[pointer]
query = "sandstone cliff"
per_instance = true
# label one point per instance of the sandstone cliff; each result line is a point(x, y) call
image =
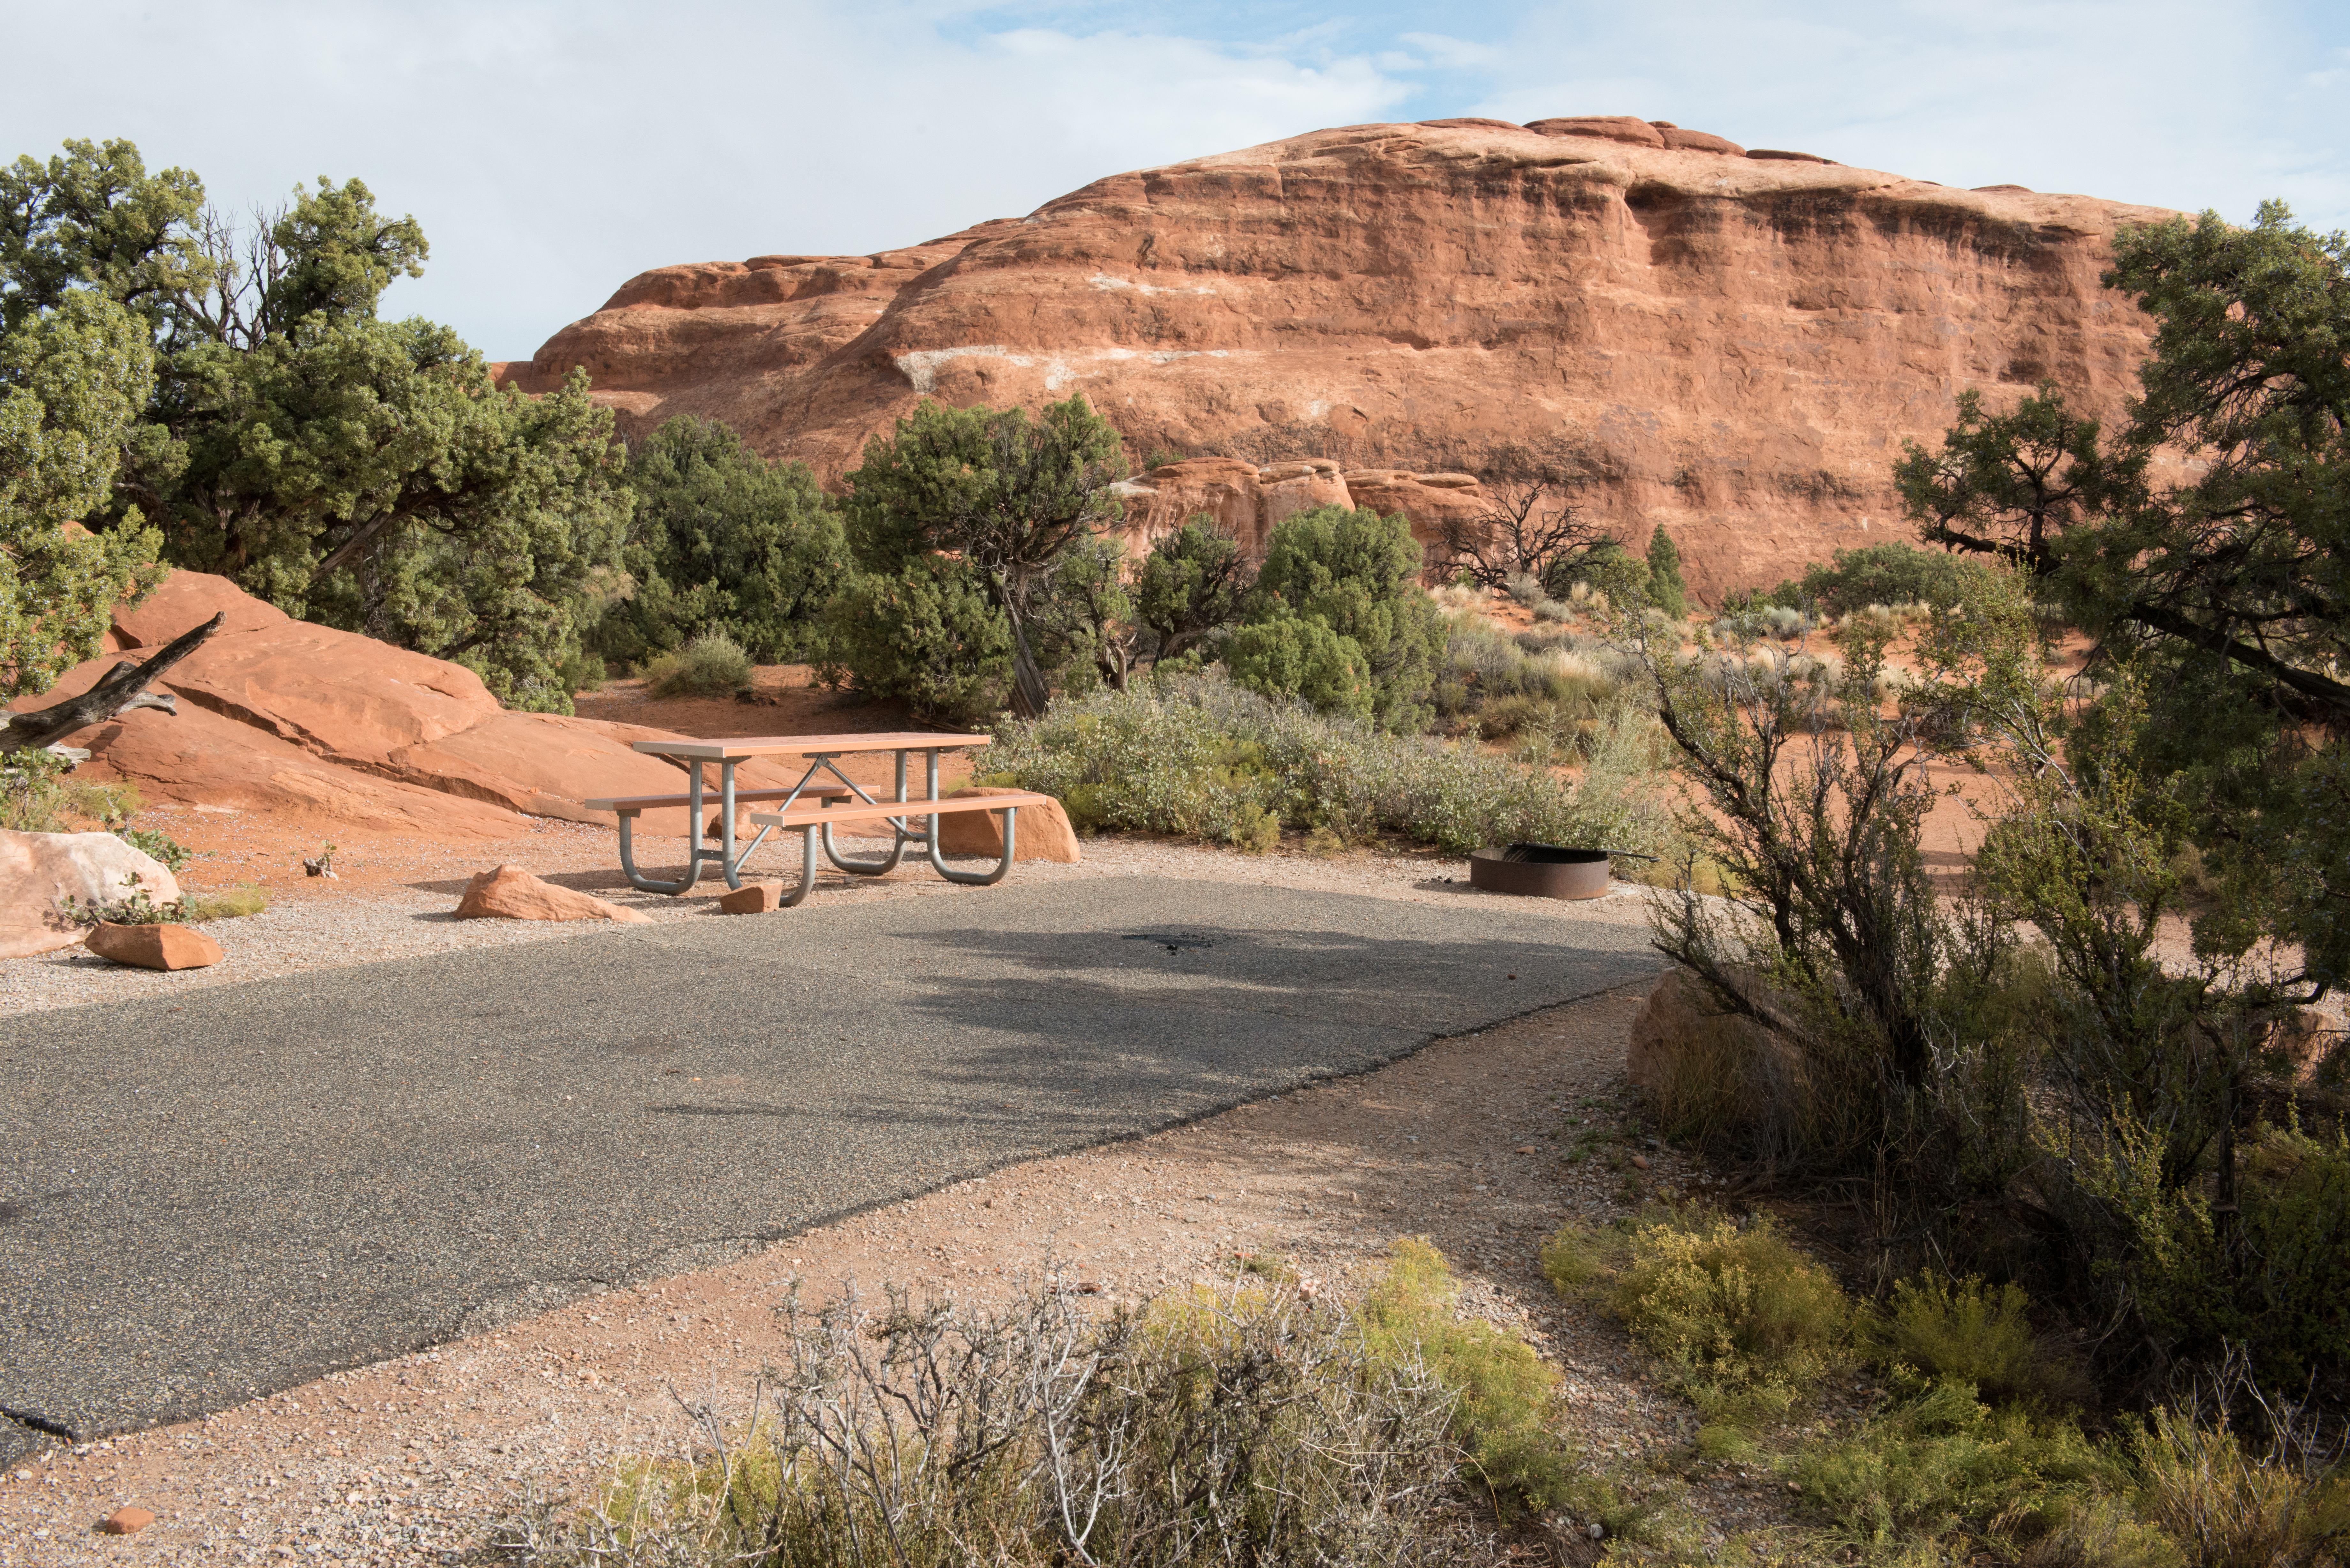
point(1732, 343)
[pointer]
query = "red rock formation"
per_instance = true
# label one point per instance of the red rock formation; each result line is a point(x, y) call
point(1735, 346)
point(511, 893)
point(276, 714)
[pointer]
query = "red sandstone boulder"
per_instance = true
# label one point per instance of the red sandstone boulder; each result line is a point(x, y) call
point(278, 716)
point(1044, 833)
point(164, 947)
point(39, 870)
point(190, 598)
point(203, 758)
point(1689, 1059)
point(511, 893)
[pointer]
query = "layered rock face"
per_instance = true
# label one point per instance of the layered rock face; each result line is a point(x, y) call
point(1729, 343)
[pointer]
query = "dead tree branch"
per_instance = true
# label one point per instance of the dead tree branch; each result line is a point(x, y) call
point(123, 689)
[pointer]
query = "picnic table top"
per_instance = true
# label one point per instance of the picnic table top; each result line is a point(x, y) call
point(809, 745)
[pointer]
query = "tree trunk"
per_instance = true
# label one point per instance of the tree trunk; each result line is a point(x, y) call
point(121, 689)
point(1030, 695)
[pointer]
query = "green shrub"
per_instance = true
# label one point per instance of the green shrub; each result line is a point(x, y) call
point(1289, 656)
point(157, 846)
point(1505, 1389)
point(1357, 574)
point(1581, 1262)
point(1943, 1462)
point(1732, 1305)
point(133, 905)
point(1963, 1329)
point(33, 797)
point(1666, 589)
point(1197, 756)
point(1189, 589)
point(711, 665)
point(722, 542)
point(927, 635)
point(1889, 573)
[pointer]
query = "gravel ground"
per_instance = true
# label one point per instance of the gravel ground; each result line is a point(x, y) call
point(1483, 1143)
point(399, 902)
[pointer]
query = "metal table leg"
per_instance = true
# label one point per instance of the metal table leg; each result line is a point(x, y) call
point(979, 878)
point(694, 852)
point(887, 863)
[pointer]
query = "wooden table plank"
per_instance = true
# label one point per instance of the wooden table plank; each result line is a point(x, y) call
point(809, 746)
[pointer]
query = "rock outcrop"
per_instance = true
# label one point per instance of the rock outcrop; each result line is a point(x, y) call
point(39, 870)
point(276, 714)
point(1731, 345)
point(511, 893)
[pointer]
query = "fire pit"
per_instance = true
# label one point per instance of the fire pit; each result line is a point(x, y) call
point(1540, 871)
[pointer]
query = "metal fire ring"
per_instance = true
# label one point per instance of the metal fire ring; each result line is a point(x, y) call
point(1540, 871)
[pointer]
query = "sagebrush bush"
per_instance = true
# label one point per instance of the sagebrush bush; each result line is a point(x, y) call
point(1886, 574)
point(711, 665)
point(1506, 684)
point(33, 797)
point(1196, 756)
point(1239, 1425)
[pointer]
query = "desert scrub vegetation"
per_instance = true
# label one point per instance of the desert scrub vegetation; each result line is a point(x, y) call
point(1968, 1447)
point(1197, 756)
point(1239, 1424)
point(1495, 685)
point(711, 665)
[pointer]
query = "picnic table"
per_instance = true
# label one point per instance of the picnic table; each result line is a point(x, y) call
point(812, 807)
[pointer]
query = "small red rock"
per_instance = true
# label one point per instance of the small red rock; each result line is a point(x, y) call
point(127, 1521)
point(1639, 1162)
point(154, 947)
point(752, 898)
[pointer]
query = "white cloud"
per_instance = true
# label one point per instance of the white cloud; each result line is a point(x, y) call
point(2178, 103)
point(1454, 54)
point(553, 150)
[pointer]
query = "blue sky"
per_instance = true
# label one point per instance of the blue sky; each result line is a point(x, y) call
point(551, 150)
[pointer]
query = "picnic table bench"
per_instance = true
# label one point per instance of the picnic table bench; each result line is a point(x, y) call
point(811, 808)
